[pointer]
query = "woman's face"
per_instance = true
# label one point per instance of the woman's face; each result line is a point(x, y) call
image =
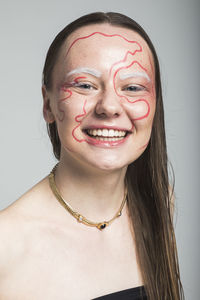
point(103, 96)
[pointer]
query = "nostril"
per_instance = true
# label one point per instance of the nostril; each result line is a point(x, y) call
point(109, 106)
point(100, 115)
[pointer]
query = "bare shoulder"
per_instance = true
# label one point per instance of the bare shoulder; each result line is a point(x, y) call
point(30, 239)
point(30, 200)
point(16, 221)
point(11, 245)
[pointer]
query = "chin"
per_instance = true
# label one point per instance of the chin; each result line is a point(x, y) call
point(108, 165)
point(102, 160)
point(114, 165)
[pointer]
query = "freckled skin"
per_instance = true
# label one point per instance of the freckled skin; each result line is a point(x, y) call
point(61, 114)
point(76, 109)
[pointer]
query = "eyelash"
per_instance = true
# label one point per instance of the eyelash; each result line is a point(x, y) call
point(82, 85)
point(134, 88)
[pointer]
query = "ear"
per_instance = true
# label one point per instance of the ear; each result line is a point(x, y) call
point(47, 111)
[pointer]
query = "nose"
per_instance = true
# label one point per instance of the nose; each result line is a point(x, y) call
point(108, 105)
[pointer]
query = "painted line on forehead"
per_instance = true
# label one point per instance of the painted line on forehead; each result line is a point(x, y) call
point(93, 72)
point(127, 67)
point(79, 121)
point(135, 74)
point(103, 34)
point(124, 59)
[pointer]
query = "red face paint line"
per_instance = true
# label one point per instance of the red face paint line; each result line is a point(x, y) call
point(60, 101)
point(79, 121)
point(126, 67)
point(139, 48)
point(80, 77)
point(125, 58)
point(65, 86)
point(105, 35)
point(126, 98)
point(148, 109)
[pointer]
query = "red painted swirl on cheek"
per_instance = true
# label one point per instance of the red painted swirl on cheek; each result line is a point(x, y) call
point(61, 116)
point(78, 119)
point(147, 106)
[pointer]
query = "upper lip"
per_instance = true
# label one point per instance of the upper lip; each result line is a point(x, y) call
point(107, 127)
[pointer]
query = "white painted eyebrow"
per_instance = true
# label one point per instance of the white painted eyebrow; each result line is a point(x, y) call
point(135, 74)
point(85, 70)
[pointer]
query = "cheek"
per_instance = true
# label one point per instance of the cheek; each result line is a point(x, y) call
point(63, 104)
point(67, 106)
point(141, 111)
point(70, 111)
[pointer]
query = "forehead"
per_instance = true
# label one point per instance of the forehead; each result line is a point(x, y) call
point(103, 42)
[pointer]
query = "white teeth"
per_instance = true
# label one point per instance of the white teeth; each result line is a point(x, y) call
point(108, 139)
point(116, 133)
point(94, 132)
point(111, 132)
point(106, 133)
point(99, 132)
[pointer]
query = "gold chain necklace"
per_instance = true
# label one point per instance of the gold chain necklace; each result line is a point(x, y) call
point(75, 214)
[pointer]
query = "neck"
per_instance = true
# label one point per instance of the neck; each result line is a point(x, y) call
point(97, 195)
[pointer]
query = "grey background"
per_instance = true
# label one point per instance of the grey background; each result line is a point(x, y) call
point(28, 27)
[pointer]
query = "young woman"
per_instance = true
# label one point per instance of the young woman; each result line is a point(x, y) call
point(100, 225)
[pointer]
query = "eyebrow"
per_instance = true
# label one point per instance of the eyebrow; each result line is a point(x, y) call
point(135, 74)
point(85, 70)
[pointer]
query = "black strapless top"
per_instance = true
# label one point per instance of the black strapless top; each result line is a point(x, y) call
point(137, 293)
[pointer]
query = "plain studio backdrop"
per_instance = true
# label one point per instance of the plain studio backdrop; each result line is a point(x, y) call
point(28, 27)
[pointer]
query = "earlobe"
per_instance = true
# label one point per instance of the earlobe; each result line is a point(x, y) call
point(47, 112)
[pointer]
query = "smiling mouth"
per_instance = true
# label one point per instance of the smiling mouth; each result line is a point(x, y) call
point(107, 135)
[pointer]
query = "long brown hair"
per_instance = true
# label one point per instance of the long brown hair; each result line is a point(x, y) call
point(149, 197)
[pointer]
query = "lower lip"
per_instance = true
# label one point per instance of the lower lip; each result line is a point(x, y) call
point(107, 144)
